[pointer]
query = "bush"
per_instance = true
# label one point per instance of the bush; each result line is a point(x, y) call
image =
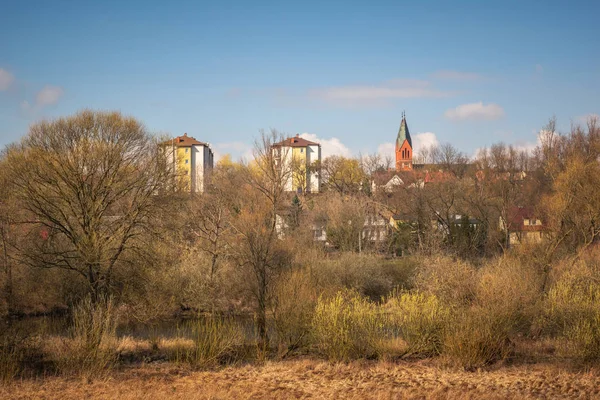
point(347, 326)
point(505, 296)
point(573, 311)
point(215, 341)
point(420, 319)
point(478, 337)
point(293, 309)
point(11, 355)
point(371, 275)
point(451, 281)
point(91, 351)
point(512, 288)
point(582, 339)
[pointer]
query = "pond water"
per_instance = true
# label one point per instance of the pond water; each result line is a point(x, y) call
point(173, 328)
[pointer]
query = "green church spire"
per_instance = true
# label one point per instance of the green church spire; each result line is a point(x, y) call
point(403, 133)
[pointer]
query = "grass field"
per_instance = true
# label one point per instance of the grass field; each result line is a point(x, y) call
point(314, 379)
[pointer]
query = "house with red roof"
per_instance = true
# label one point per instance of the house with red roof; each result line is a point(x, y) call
point(522, 225)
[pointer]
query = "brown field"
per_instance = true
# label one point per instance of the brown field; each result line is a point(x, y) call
point(313, 379)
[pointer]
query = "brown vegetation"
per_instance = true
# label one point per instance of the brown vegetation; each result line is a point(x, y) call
point(90, 230)
point(310, 379)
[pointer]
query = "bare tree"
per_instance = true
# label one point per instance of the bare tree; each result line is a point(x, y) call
point(425, 155)
point(372, 164)
point(573, 204)
point(450, 159)
point(257, 247)
point(8, 215)
point(344, 218)
point(89, 182)
point(210, 223)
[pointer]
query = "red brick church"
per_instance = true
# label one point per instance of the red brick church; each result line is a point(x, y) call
point(404, 150)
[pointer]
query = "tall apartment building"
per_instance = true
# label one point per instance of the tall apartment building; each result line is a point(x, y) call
point(193, 161)
point(301, 156)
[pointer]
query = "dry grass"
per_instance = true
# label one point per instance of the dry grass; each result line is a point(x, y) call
point(304, 379)
point(90, 351)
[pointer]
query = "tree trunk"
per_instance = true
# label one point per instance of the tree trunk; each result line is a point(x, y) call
point(8, 286)
point(261, 318)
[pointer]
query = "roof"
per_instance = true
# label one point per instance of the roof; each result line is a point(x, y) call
point(185, 140)
point(438, 176)
point(296, 141)
point(403, 133)
point(517, 217)
point(380, 178)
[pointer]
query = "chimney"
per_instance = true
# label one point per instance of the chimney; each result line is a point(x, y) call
point(297, 135)
point(185, 134)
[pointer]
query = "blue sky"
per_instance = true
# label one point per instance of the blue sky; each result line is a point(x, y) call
point(467, 72)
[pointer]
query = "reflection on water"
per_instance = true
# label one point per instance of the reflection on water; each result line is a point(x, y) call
point(174, 328)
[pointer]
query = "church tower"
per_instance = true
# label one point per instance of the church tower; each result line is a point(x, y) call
point(404, 147)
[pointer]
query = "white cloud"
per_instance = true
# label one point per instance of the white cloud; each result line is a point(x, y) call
point(387, 149)
point(237, 150)
point(456, 75)
point(329, 147)
point(523, 145)
point(361, 95)
point(48, 95)
point(419, 141)
point(424, 140)
point(475, 111)
point(6, 79)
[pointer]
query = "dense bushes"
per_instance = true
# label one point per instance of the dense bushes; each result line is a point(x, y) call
point(294, 304)
point(478, 337)
point(473, 316)
point(12, 352)
point(215, 340)
point(452, 281)
point(347, 326)
point(573, 310)
point(91, 349)
point(469, 316)
point(370, 275)
point(419, 319)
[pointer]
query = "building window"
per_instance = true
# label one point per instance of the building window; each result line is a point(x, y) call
point(301, 150)
point(186, 150)
point(187, 161)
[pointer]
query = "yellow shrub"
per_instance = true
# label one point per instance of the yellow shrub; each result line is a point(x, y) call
point(293, 305)
point(91, 351)
point(451, 281)
point(420, 319)
point(509, 287)
point(215, 340)
point(478, 337)
point(347, 326)
point(573, 311)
